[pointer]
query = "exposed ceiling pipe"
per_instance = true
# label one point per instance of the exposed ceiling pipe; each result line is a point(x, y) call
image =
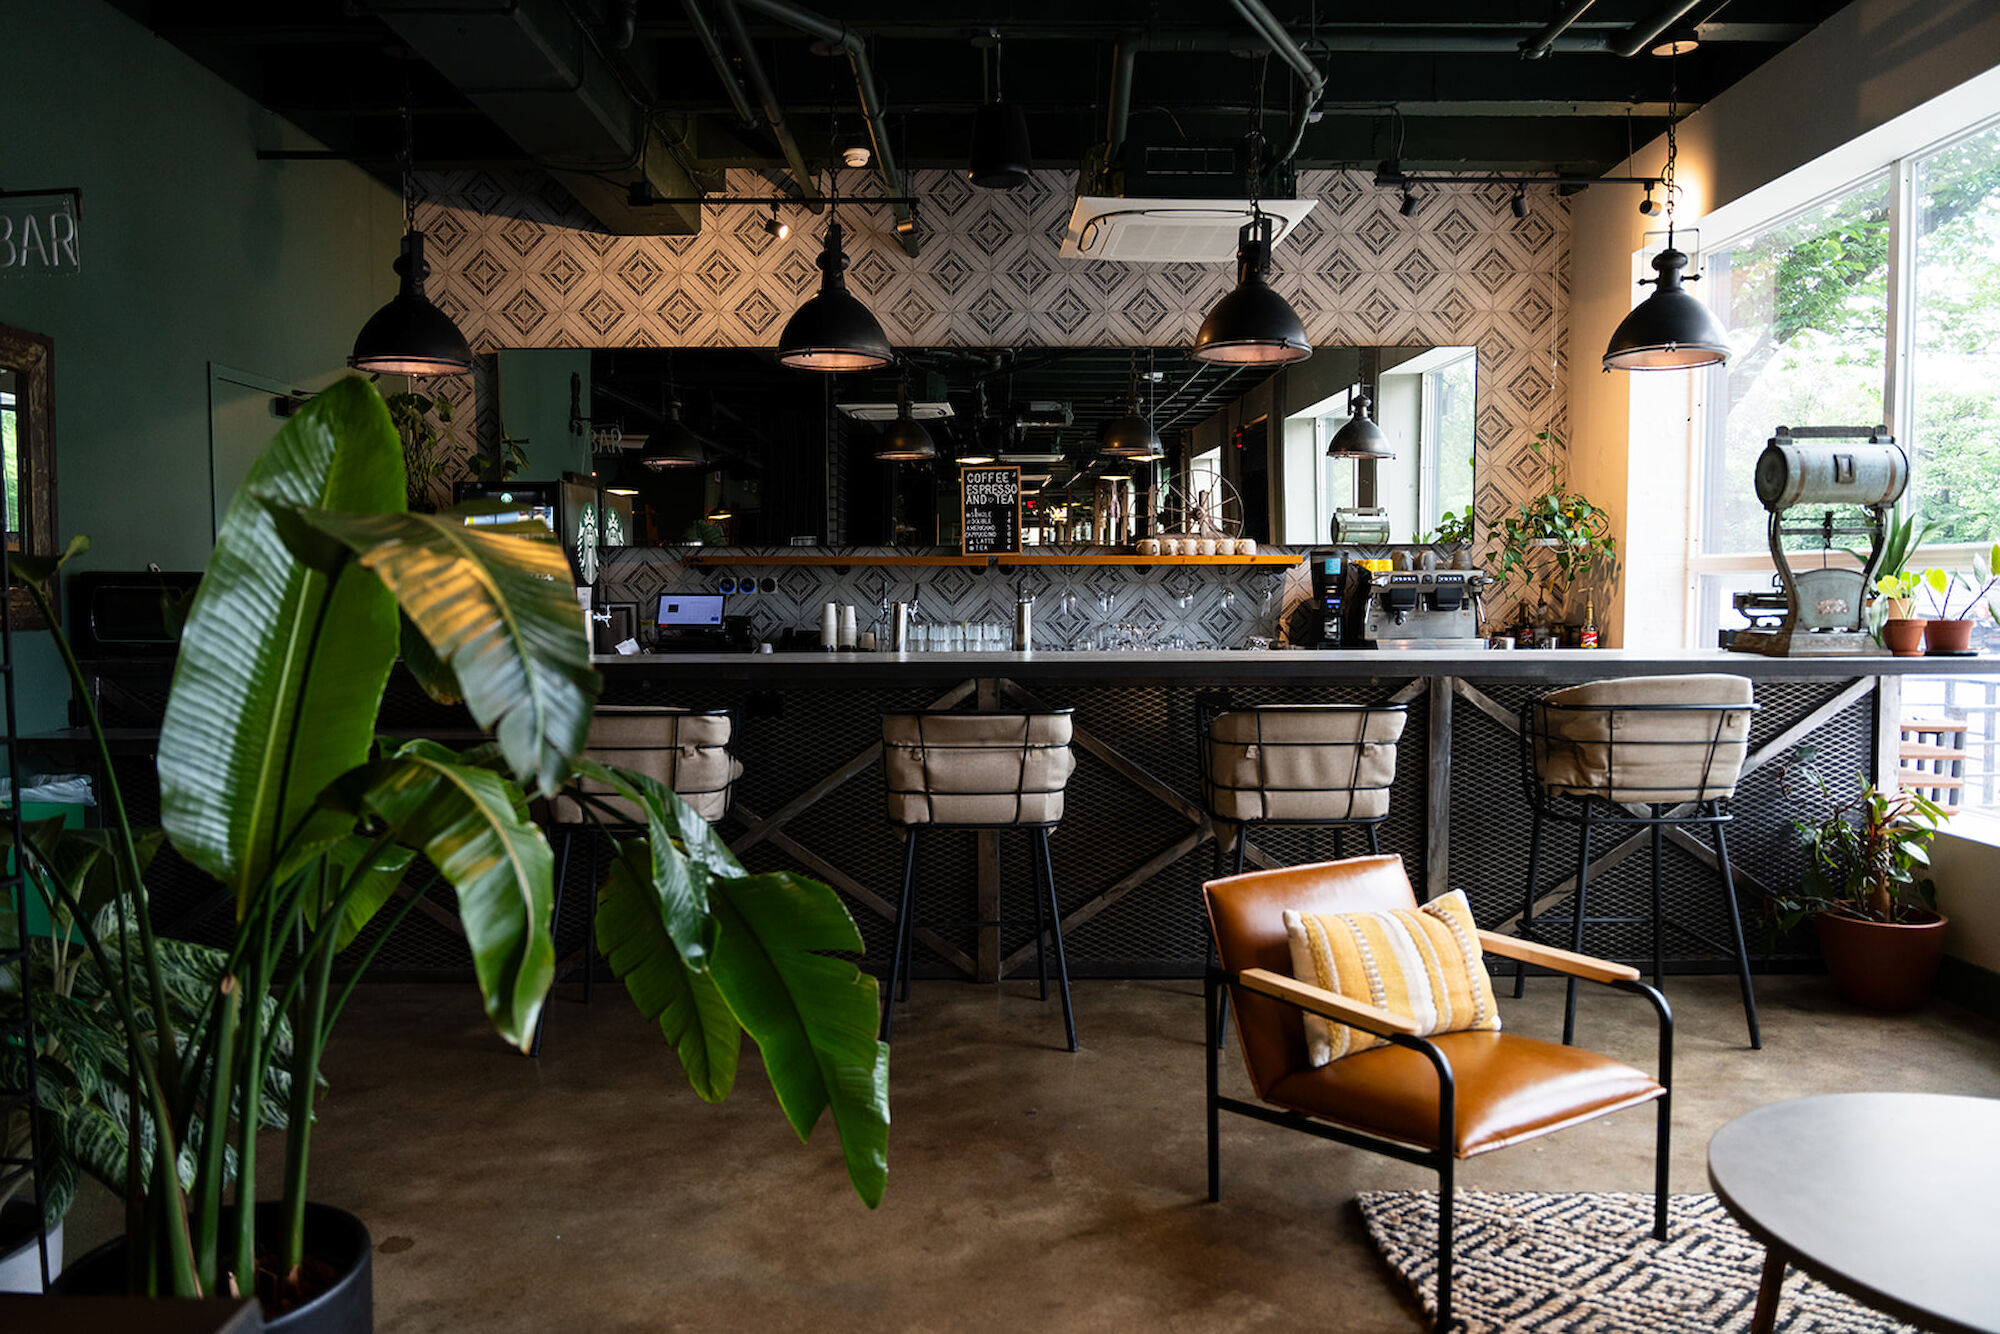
point(871, 101)
point(704, 33)
point(1118, 117)
point(1311, 81)
point(1534, 48)
point(1641, 34)
point(774, 113)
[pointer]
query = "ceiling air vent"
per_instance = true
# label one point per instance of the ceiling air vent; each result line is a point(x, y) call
point(1163, 231)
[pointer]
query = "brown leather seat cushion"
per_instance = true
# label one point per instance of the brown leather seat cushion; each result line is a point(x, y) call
point(1509, 1088)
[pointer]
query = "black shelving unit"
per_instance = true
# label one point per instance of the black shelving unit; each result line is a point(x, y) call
point(14, 893)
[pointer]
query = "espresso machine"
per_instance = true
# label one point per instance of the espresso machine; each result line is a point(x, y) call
point(1821, 611)
point(1416, 609)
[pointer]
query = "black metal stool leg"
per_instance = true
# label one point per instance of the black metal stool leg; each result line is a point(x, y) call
point(555, 920)
point(1375, 838)
point(1041, 928)
point(1659, 908)
point(1576, 936)
point(590, 930)
point(1221, 1029)
point(1736, 931)
point(1339, 844)
point(1055, 933)
point(901, 947)
point(1528, 900)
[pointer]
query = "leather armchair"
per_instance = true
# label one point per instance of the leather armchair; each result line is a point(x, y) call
point(1429, 1101)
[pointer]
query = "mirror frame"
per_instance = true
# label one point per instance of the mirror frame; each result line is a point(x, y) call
point(32, 356)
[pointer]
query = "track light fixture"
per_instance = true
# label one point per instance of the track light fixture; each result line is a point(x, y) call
point(1409, 204)
point(1671, 329)
point(1649, 206)
point(410, 336)
point(775, 227)
point(1519, 203)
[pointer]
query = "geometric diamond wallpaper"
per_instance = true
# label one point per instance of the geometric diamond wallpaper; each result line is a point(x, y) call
point(518, 266)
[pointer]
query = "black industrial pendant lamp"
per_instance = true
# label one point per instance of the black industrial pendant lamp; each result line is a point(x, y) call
point(905, 440)
point(1001, 159)
point(1359, 437)
point(410, 336)
point(833, 331)
point(1253, 325)
point(672, 444)
point(1131, 436)
point(1671, 329)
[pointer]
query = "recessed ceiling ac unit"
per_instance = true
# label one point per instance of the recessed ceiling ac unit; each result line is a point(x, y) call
point(1032, 456)
point(1163, 231)
point(1042, 415)
point(886, 412)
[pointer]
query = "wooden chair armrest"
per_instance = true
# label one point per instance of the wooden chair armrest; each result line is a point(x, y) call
point(1327, 1004)
point(1562, 961)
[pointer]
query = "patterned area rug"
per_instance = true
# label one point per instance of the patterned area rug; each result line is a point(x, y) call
point(1575, 1263)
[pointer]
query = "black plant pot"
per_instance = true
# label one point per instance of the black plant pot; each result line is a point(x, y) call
point(332, 1235)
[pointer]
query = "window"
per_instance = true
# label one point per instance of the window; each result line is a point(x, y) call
point(1900, 270)
point(1955, 361)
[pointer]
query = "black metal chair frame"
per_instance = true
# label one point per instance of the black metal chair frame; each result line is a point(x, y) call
point(1592, 813)
point(1207, 710)
point(600, 820)
point(1048, 913)
point(1440, 1159)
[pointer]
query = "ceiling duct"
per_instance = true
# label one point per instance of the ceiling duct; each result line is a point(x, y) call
point(573, 107)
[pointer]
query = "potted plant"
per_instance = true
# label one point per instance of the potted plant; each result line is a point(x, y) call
point(1950, 632)
point(1863, 885)
point(273, 781)
point(1553, 542)
point(430, 447)
point(1900, 632)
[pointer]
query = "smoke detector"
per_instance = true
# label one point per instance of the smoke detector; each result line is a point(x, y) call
point(855, 155)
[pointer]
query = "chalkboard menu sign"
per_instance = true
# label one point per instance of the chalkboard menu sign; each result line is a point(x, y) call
point(990, 509)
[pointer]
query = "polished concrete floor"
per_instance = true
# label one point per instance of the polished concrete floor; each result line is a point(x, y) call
point(590, 1189)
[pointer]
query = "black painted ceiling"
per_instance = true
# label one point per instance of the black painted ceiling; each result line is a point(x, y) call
point(1436, 84)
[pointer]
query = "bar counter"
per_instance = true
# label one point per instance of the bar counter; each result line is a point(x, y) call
point(1134, 845)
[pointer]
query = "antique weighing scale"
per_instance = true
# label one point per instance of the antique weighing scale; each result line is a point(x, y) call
point(1821, 611)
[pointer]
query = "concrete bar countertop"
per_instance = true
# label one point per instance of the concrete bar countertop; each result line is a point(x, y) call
point(848, 668)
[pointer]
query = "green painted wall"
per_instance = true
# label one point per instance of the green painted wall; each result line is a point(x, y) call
point(192, 251)
point(535, 403)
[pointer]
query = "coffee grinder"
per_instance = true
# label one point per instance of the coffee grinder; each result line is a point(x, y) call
point(1821, 611)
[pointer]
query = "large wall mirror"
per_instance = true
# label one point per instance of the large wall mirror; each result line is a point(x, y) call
point(791, 458)
point(27, 436)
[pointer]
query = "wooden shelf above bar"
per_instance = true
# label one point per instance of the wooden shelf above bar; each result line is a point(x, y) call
point(1025, 558)
point(708, 560)
point(712, 560)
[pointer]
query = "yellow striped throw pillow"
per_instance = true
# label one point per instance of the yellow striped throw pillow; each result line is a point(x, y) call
point(1423, 963)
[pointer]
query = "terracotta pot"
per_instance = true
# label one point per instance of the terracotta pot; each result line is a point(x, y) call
point(1882, 966)
point(1947, 636)
point(334, 1236)
point(1904, 637)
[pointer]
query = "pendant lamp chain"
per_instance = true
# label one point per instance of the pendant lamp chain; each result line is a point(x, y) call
point(1673, 144)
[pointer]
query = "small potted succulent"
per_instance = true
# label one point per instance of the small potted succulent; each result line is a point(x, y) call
point(1865, 889)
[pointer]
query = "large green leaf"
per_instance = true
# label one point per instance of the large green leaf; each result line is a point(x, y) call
point(501, 613)
point(690, 1010)
point(373, 883)
point(684, 851)
point(471, 827)
point(812, 1016)
point(281, 666)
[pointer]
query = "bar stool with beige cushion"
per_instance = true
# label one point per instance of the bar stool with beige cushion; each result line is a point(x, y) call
point(980, 771)
point(1325, 765)
point(1645, 753)
point(685, 749)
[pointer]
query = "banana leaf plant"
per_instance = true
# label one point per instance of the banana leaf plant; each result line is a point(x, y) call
point(273, 781)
